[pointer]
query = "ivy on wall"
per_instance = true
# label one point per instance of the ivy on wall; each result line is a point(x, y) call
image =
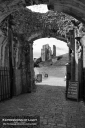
point(53, 24)
point(24, 22)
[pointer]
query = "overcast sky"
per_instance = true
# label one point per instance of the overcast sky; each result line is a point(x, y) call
point(61, 47)
point(39, 8)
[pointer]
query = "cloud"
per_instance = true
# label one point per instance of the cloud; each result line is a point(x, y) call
point(42, 8)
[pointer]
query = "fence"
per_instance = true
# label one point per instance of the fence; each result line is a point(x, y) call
point(4, 83)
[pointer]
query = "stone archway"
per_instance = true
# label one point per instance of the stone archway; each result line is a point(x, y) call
point(18, 11)
point(74, 8)
point(21, 35)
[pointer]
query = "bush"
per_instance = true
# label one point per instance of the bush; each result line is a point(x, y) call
point(36, 64)
point(59, 57)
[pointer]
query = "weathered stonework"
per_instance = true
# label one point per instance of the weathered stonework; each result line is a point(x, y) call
point(74, 8)
point(26, 26)
point(7, 7)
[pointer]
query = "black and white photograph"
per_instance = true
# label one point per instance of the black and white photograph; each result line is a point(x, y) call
point(42, 63)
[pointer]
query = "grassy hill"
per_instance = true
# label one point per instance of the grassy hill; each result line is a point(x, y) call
point(63, 59)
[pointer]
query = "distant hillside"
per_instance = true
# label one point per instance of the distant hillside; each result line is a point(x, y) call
point(62, 60)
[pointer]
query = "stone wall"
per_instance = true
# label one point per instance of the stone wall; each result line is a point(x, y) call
point(23, 70)
point(22, 64)
point(4, 51)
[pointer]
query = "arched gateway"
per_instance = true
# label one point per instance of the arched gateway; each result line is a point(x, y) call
point(75, 8)
point(76, 68)
point(17, 33)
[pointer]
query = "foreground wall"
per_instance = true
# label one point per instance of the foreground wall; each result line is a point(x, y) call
point(22, 64)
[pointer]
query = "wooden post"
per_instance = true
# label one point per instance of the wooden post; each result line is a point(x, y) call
point(70, 51)
point(10, 56)
point(80, 72)
point(31, 67)
point(83, 45)
point(27, 68)
point(76, 58)
point(72, 40)
point(72, 66)
point(31, 63)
